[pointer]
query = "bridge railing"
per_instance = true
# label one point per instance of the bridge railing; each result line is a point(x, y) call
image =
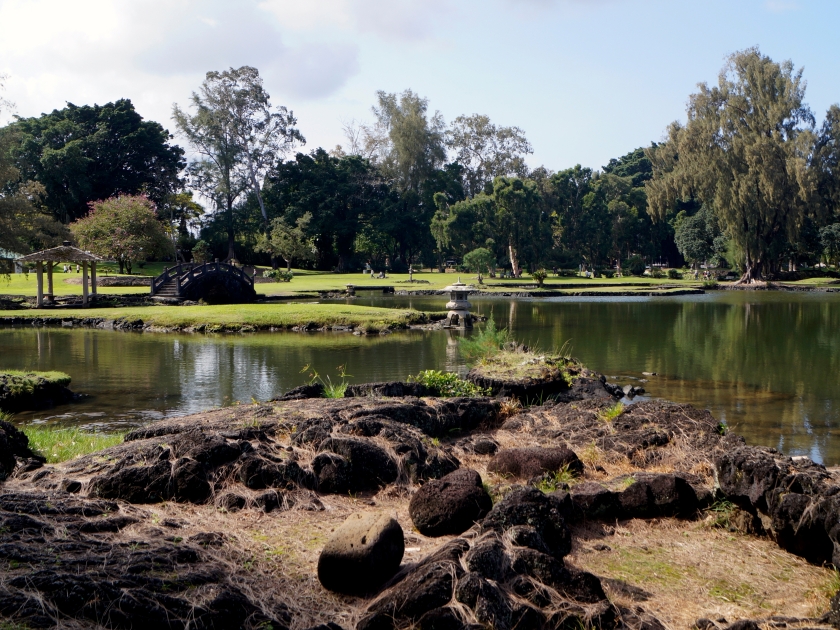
point(185, 274)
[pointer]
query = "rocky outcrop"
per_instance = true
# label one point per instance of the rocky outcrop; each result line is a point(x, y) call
point(361, 554)
point(449, 505)
point(510, 574)
point(329, 445)
point(77, 567)
point(640, 495)
point(797, 501)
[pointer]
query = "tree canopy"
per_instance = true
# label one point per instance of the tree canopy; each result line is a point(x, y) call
point(85, 153)
point(744, 151)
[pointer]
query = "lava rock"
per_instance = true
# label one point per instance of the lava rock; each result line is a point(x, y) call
point(389, 389)
point(528, 506)
point(14, 444)
point(525, 463)
point(426, 588)
point(450, 505)
point(302, 392)
point(371, 467)
point(592, 500)
point(653, 494)
point(189, 481)
point(333, 473)
point(135, 484)
point(361, 554)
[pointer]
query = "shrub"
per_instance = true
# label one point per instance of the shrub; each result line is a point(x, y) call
point(710, 285)
point(280, 275)
point(540, 275)
point(447, 384)
point(634, 265)
point(656, 273)
point(609, 273)
point(488, 342)
point(673, 274)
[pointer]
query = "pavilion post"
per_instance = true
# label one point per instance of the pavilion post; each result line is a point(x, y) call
point(93, 277)
point(84, 283)
point(50, 280)
point(39, 272)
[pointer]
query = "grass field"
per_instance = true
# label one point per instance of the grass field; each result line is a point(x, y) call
point(237, 316)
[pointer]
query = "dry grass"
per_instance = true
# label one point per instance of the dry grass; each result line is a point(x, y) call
point(692, 570)
point(282, 548)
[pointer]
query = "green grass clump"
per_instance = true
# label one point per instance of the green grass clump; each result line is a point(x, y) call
point(447, 384)
point(22, 382)
point(489, 342)
point(553, 481)
point(60, 445)
point(611, 413)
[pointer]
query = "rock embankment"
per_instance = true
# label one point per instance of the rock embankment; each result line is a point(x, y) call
point(377, 512)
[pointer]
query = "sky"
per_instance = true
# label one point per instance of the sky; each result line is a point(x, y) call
point(587, 80)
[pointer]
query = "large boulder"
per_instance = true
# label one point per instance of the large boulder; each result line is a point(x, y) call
point(529, 462)
point(450, 505)
point(361, 554)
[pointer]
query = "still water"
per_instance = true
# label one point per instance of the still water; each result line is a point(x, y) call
point(768, 364)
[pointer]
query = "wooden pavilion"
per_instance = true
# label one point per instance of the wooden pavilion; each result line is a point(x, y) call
point(56, 255)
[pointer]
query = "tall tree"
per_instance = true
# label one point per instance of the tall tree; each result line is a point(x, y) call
point(517, 216)
point(745, 151)
point(408, 148)
point(24, 223)
point(827, 162)
point(238, 135)
point(84, 153)
point(487, 151)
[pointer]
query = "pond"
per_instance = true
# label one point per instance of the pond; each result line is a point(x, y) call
point(766, 363)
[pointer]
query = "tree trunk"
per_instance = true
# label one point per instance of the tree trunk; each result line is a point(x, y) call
point(288, 264)
point(514, 263)
point(752, 273)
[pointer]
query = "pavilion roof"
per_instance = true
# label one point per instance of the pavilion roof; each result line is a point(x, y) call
point(63, 253)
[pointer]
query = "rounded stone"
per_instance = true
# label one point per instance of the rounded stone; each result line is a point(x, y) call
point(361, 554)
point(449, 505)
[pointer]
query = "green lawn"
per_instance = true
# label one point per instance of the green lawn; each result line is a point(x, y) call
point(237, 316)
point(313, 281)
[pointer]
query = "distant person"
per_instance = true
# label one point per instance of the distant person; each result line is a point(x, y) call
point(78, 269)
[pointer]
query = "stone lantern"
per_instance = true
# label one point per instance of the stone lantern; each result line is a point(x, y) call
point(458, 306)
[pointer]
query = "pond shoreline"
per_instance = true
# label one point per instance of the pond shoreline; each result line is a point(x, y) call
point(583, 500)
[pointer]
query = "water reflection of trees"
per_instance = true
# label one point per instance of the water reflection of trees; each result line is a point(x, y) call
point(768, 364)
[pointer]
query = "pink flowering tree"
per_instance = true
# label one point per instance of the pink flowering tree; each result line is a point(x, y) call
point(124, 229)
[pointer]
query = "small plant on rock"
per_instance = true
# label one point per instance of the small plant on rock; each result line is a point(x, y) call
point(553, 481)
point(331, 390)
point(487, 343)
point(447, 384)
point(611, 413)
